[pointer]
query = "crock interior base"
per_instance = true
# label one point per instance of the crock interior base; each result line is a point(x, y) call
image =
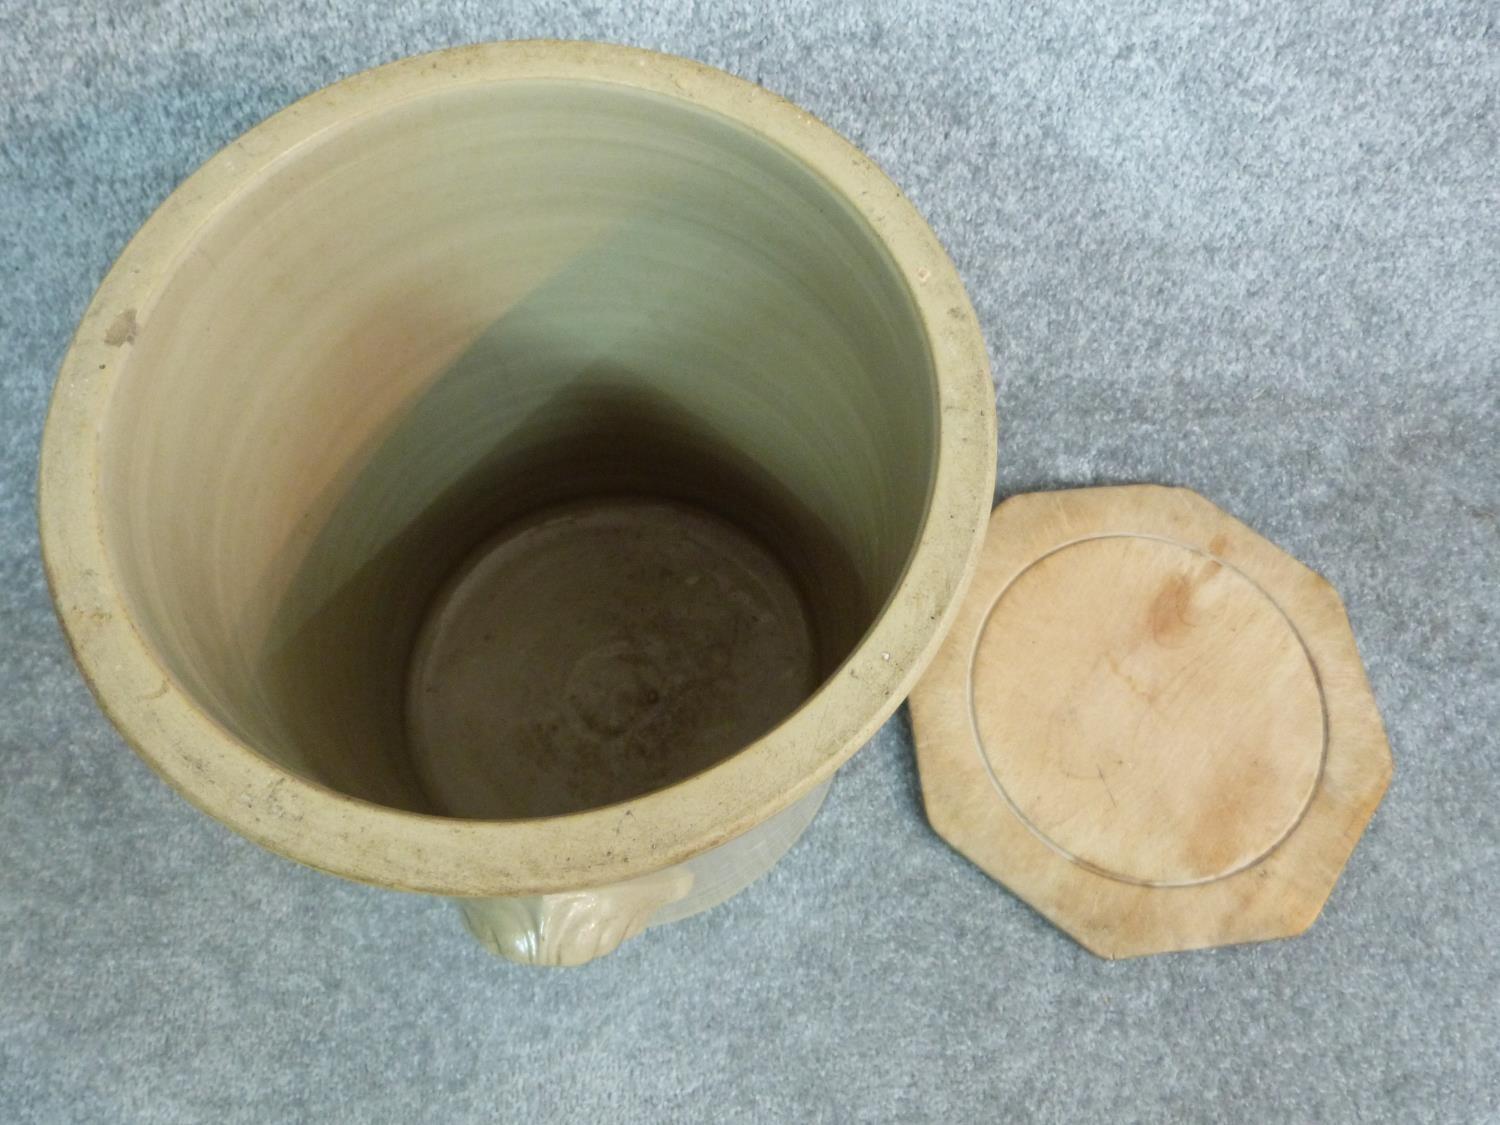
point(598, 651)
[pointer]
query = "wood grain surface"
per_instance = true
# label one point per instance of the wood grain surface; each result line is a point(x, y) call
point(1150, 723)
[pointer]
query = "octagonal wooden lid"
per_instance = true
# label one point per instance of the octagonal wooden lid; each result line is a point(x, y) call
point(1149, 723)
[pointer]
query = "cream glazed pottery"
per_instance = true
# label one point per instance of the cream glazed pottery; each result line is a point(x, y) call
point(524, 474)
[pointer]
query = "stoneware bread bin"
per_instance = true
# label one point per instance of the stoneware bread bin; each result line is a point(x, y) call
point(523, 474)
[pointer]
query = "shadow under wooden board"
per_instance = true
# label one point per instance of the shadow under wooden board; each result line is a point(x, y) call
point(1150, 723)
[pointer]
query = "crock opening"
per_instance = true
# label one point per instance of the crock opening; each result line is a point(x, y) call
point(447, 322)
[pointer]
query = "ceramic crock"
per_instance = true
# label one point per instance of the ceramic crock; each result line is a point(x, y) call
point(524, 474)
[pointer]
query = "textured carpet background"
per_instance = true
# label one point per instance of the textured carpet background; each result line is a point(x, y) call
point(1249, 251)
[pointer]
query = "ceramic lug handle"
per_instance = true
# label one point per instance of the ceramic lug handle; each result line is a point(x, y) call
point(572, 927)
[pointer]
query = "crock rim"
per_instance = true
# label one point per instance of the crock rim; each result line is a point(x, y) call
point(345, 835)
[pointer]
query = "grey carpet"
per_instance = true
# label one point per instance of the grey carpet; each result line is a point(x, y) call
point(1244, 247)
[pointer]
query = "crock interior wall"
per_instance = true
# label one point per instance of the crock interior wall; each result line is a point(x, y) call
point(453, 311)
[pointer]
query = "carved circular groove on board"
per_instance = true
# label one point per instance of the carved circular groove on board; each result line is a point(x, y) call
point(1147, 710)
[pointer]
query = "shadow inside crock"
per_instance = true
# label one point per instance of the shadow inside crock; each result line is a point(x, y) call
point(334, 663)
